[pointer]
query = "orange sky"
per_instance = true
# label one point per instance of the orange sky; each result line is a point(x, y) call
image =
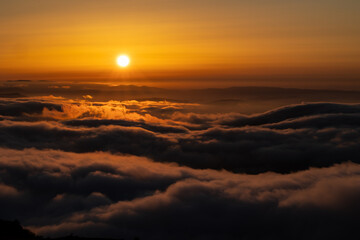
point(242, 41)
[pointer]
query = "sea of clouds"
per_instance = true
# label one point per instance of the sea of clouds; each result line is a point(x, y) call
point(165, 170)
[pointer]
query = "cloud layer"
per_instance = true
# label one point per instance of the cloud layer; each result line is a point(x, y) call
point(99, 194)
point(171, 170)
point(286, 139)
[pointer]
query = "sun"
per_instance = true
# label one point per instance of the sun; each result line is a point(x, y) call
point(123, 60)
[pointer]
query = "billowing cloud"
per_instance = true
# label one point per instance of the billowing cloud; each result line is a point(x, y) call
point(171, 170)
point(287, 139)
point(295, 111)
point(99, 194)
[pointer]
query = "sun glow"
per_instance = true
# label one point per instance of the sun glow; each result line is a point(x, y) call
point(123, 61)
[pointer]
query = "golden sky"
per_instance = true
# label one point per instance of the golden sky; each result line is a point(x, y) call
point(173, 39)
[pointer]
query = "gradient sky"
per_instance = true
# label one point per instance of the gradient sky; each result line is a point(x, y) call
point(259, 42)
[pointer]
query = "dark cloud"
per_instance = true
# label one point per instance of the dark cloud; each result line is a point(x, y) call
point(250, 149)
point(21, 108)
point(167, 170)
point(54, 184)
point(287, 139)
point(293, 112)
point(346, 120)
point(118, 122)
point(98, 194)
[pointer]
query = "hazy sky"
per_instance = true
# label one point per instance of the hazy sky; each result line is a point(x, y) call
point(199, 39)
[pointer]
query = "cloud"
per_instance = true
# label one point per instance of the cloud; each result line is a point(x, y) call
point(166, 170)
point(87, 97)
point(160, 128)
point(286, 139)
point(21, 108)
point(99, 194)
point(293, 112)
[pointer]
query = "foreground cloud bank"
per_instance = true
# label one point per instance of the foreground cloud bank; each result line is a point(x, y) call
point(166, 170)
point(99, 194)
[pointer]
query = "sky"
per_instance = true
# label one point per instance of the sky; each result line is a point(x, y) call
point(277, 42)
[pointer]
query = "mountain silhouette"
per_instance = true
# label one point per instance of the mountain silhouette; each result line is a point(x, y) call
point(12, 230)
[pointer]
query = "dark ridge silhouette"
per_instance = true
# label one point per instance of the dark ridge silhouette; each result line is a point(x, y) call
point(102, 92)
point(12, 230)
point(19, 80)
point(81, 238)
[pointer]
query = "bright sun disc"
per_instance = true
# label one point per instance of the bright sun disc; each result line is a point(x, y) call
point(123, 61)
